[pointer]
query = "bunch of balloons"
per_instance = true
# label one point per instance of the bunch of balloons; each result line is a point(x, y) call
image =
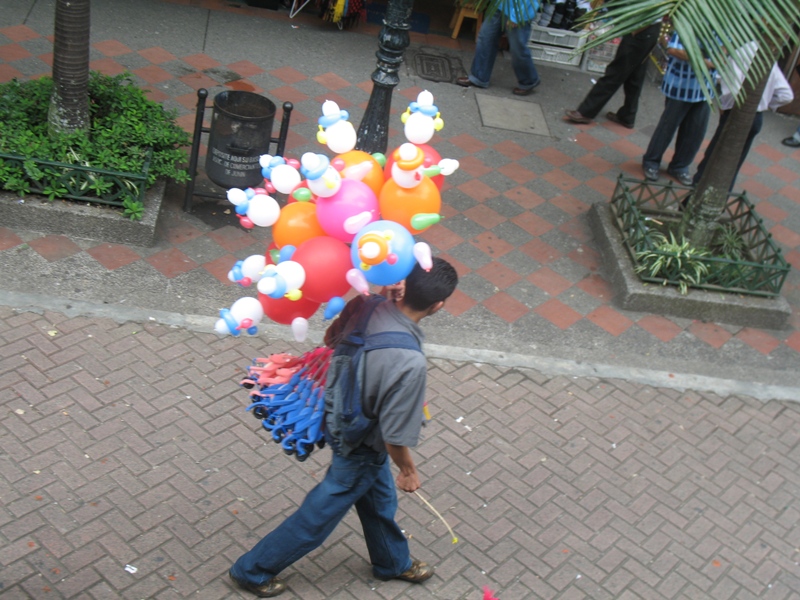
point(348, 221)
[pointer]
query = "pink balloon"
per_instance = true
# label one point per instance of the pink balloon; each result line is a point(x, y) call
point(352, 199)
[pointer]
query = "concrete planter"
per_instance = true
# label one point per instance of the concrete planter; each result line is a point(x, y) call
point(82, 220)
point(752, 299)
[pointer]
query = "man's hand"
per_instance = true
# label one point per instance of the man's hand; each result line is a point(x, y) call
point(408, 483)
point(408, 479)
point(396, 291)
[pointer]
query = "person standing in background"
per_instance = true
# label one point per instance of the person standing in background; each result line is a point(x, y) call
point(685, 111)
point(628, 70)
point(792, 141)
point(776, 93)
point(518, 31)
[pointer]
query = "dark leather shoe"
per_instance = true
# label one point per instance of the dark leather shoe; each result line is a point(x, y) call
point(650, 173)
point(418, 573)
point(614, 118)
point(791, 142)
point(269, 590)
point(464, 82)
point(684, 178)
point(576, 117)
point(518, 91)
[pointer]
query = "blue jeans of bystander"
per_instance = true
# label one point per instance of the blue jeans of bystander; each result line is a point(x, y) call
point(364, 480)
point(486, 49)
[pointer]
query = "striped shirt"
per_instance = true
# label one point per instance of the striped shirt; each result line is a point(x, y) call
point(680, 82)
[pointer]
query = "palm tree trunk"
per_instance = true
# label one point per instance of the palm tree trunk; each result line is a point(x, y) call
point(69, 104)
point(708, 202)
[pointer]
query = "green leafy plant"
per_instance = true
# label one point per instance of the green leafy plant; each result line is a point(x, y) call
point(133, 209)
point(730, 242)
point(127, 133)
point(673, 262)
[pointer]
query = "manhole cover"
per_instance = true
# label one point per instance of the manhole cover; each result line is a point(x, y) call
point(432, 67)
point(514, 115)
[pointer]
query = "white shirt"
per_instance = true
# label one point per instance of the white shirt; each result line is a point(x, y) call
point(776, 93)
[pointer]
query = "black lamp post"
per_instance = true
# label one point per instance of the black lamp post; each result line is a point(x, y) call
point(373, 133)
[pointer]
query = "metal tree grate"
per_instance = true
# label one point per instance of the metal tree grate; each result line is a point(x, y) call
point(77, 182)
point(636, 204)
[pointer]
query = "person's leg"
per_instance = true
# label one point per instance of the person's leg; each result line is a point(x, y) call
point(324, 507)
point(755, 129)
point(644, 43)
point(486, 51)
point(386, 543)
point(521, 59)
point(631, 54)
point(723, 116)
point(792, 140)
point(671, 118)
point(691, 132)
point(612, 79)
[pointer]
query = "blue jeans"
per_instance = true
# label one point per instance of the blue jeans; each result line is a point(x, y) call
point(690, 120)
point(361, 479)
point(486, 53)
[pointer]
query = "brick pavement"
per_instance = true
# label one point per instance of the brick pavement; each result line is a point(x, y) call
point(127, 444)
point(532, 279)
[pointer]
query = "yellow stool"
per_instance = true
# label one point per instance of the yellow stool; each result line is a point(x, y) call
point(461, 13)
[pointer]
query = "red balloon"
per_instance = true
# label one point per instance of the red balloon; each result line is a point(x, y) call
point(431, 157)
point(284, 311)
point(326, 261)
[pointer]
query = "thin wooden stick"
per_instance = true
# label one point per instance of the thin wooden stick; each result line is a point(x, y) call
point(436, 512)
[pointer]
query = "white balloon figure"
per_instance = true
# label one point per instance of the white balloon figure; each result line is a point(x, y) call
point(421, 119)
point(283, 176)
point(284, 279)
point(335, 130)
point(243, 315)
point(249, 270)
point(323, 180)
point(407, 170)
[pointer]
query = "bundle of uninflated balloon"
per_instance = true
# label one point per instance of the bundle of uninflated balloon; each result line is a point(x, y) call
point(348, 222)
point(287, 396)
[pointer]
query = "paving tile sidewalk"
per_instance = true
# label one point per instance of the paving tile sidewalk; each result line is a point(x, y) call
point(533, 282)
point(128, 444)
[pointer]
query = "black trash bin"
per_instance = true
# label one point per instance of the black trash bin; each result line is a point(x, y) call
point(240, 132)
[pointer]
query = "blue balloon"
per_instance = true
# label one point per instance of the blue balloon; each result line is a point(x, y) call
point(286, 253)
point(334, 307)
point(401, 251)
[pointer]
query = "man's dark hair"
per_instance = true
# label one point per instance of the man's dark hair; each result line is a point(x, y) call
point(426, 288)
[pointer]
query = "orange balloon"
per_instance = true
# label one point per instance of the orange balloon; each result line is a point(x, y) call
point(374, 178)
point(296, 224)
point(400, 204)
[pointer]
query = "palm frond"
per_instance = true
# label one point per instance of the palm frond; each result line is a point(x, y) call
point(712, 29)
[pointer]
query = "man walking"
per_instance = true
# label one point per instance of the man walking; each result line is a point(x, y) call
point(518, 31)
point(393, 394)
point(628, 70)
point(685, 111)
